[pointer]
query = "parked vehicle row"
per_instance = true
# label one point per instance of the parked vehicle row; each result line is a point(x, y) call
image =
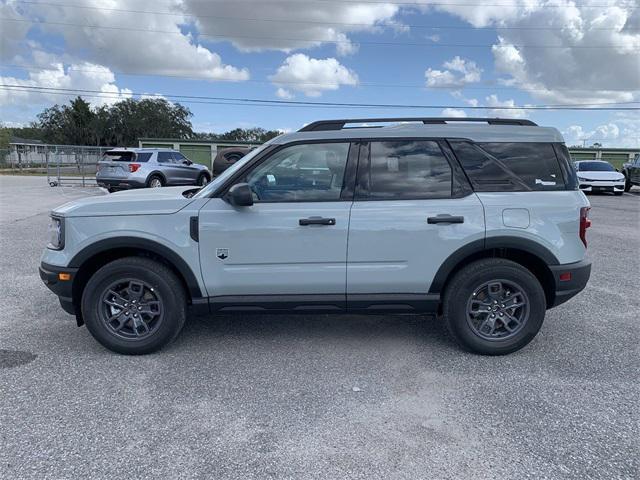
point(481, 221)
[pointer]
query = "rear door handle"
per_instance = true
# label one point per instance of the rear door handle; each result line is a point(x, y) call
point(317, 221)
point(445, 219)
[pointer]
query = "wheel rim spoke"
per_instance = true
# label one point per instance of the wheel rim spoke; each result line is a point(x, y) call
point(497, 309)
point(131, 309)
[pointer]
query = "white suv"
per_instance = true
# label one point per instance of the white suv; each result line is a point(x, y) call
point(479, 221)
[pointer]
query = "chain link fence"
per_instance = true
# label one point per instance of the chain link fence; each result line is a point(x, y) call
point(64, 165)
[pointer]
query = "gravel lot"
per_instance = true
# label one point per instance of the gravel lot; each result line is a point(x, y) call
point(319, 396)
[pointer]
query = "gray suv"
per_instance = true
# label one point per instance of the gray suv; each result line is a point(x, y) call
point(480, 222)
point(126, 168)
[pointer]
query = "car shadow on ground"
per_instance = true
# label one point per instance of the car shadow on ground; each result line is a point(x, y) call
point(320, 327)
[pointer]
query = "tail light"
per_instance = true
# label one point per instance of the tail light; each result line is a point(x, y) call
point(133, 167)
point(584, 224)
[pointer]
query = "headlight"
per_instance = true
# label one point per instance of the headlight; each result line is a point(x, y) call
point(56, 233)
point(584, 179)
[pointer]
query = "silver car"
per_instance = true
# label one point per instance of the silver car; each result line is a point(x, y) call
point(126, 168)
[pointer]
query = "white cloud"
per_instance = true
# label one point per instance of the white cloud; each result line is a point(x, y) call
point(563, 74)
point(83, 76)
point(608, 134)
point(497, 111)
point(459, 72)
point(312, 76)
point(130, 46)
point(290, 25)
point(454, 112)
point(284, 94)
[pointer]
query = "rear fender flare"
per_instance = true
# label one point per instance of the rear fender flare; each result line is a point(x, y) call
point(486, 244)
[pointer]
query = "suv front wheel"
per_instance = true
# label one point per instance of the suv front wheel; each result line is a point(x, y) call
point(134, 305)
point(494, 306)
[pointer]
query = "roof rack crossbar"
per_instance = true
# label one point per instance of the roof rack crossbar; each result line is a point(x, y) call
point(323, 125)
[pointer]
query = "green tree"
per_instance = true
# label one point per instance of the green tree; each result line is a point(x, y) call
point(259, 135)
point(69, 124)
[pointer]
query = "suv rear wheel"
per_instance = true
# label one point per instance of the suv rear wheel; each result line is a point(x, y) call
point(494, 306)
point(155, 181)
point(203, 179)
point(134, 306)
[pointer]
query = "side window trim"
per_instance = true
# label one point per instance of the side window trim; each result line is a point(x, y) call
point(460, 186)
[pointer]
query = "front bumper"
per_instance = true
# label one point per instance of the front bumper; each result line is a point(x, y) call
point(50, 275)
point(570, 279)
point(586, 186)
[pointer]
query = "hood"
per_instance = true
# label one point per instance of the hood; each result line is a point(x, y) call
point(610, 176)
point(144, 201)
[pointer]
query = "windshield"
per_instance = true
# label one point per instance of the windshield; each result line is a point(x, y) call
point(595, 167)
point(220, 179)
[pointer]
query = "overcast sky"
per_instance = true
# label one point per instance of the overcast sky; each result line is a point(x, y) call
point(458, 53)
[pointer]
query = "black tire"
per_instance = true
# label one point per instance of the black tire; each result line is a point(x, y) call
point(617, 194)
point(627, 183)
point(203, 179)
point(111, 190)
point(460, 292)
point(151, 181)
point(160, 283)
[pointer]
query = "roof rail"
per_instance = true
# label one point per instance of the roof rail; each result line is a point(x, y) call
point(323, 125)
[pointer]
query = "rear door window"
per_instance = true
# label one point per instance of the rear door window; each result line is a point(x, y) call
point(165, 157)
point(407, 169)
point(510, 166)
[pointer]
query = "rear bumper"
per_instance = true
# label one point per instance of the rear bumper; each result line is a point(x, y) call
point(578, 275)
point(50, 275)
point(120, 183)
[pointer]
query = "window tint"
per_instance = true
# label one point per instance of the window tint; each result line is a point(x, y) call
point(143, 157)
point(595, 167)
point(165, 157)
point(179, 157)
point(118, 156)
point(313, 172)
point(408, 169)
point(510, 166)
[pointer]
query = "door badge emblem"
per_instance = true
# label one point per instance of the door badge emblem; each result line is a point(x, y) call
point(222, 253)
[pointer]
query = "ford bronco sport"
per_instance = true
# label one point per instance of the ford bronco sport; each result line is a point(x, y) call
point(479, 221)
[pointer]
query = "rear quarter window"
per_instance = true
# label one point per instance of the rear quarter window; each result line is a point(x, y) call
point(510, 166)
point(143, 157)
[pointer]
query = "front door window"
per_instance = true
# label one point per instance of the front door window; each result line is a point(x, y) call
point(301, 173)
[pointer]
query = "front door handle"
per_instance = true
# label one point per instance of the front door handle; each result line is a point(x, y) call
point(445, 219)
point(317, 221)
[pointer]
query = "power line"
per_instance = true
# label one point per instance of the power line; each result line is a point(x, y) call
point(311, 84)
point(314, 41)
point(308, 22)
point(188, 98)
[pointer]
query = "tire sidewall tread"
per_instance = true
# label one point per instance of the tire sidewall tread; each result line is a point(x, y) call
point(462, 286)
point(154, 273)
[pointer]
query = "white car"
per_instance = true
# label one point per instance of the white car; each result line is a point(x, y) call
point(599, 176)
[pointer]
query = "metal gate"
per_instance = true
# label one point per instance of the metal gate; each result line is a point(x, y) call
point(65, 165)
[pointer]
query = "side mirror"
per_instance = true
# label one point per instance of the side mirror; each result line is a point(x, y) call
point(187, 162)
point(240, 195)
